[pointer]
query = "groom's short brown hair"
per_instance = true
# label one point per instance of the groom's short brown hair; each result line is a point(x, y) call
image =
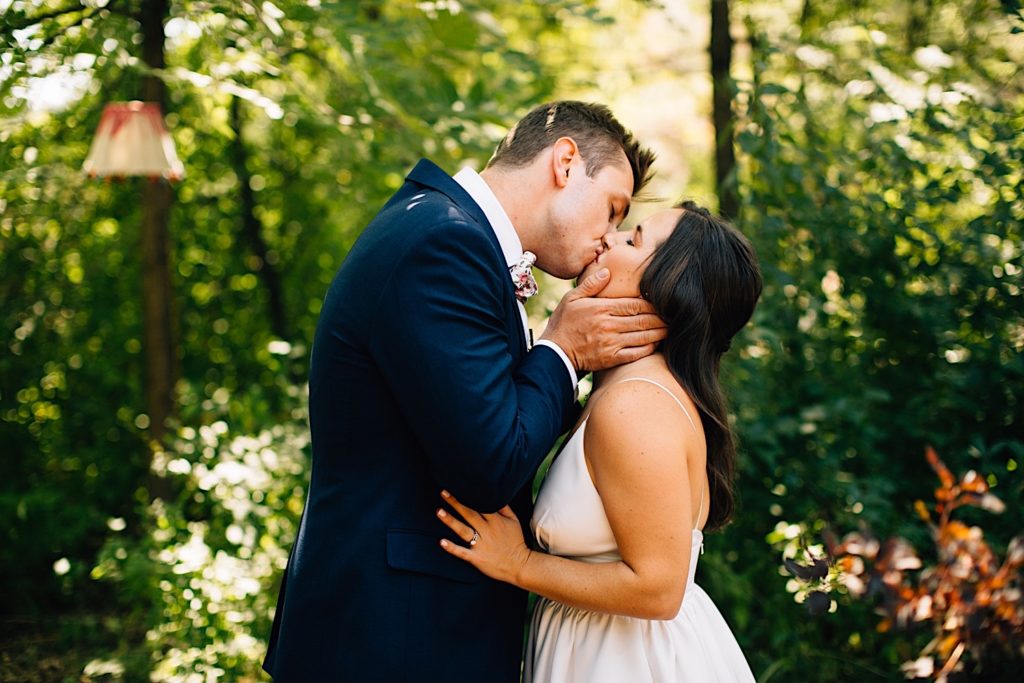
point(599, 136)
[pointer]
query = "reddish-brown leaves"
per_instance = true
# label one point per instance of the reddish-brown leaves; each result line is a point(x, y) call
point(945, 476)
point(972, 602)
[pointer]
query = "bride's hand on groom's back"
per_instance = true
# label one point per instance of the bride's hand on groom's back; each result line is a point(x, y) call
point(600, 333)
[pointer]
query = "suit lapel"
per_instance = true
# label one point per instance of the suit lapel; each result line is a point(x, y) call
point(429, 174)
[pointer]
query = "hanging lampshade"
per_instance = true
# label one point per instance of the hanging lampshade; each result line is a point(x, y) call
point(131, 140)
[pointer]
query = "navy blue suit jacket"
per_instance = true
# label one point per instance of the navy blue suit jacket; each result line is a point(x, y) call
point(420, 379)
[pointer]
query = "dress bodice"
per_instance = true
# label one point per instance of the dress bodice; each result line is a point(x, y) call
point(569, 518)
point(573, 645)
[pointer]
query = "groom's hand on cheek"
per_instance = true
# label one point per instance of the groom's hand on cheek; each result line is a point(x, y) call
point(601, 333)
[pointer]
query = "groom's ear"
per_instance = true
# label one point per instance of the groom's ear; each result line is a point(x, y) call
point(565, 155)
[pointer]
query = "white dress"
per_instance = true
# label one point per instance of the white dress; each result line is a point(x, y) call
point(572, 645)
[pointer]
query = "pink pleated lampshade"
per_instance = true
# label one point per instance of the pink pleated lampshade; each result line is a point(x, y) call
point(132, 140)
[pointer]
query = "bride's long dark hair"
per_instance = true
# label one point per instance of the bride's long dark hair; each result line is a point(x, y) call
point(704, 282)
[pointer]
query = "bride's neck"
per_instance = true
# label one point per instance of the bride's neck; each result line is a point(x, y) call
point(647, 365)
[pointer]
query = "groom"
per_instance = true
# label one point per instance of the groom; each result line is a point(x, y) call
point(423, 378)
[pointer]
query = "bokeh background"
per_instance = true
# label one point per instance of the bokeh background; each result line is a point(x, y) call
point(871, 149)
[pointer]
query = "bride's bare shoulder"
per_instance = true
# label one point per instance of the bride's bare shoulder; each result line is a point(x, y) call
point(634, 438)
point(652, 368)
point(631, 412)
point(645, 395)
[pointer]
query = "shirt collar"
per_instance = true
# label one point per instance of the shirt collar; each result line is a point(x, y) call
point(477, 188)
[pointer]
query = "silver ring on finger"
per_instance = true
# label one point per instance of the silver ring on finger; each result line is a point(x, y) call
point(476, 537)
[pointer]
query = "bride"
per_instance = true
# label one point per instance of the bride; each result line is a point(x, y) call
point(620, 518)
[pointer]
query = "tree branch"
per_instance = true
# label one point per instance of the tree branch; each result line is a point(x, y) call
point(31, 21)
point(49, 40)
point(10, 28)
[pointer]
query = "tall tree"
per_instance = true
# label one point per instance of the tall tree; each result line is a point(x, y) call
point(881, 188)
point(160, 343)
point(723, 116)
point(252, 231)
point(329, 103)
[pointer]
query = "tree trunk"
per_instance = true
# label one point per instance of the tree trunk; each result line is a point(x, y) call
point(159, 330)
point(724, 120)
point(251, 228)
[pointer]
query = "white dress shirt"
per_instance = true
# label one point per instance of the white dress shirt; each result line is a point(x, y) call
point(511, 246)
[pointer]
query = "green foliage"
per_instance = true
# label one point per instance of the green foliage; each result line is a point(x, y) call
point(205, 575)
point(337, 101)
point(884, 196)
point(879, 150)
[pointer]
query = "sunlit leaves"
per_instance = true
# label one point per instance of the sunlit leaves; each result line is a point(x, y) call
point(337, 101)
point(207, 567)
point(881, 185)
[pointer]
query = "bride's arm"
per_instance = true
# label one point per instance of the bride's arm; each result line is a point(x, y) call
point(637, 440)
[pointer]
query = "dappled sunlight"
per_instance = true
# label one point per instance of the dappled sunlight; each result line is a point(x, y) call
point(217, 575)
point(878, 173)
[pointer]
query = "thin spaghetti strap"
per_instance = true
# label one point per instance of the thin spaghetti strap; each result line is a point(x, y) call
point(665, 389)
point(700, 508)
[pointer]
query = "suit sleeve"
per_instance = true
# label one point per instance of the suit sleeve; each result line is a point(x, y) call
point(440, 339)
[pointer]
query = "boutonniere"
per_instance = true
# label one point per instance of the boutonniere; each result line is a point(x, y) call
point(522, 276)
